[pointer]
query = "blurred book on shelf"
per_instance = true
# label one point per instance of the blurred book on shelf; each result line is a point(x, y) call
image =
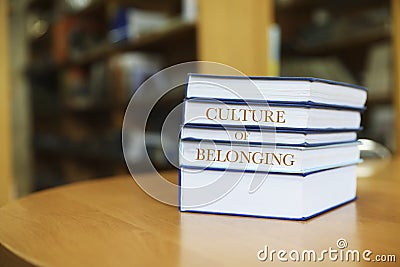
point(86, 60)
point(325, 67)
point(131, 23)
point(378, 75)
point(189, 10)
point(380, 121)
point(349, 41)
point(84, 89)
point(130, 70)
point(333, 30)
point(73, 36)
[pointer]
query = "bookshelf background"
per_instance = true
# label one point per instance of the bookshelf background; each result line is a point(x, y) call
point(349, 41)
point(77, 90)
point(77, 74)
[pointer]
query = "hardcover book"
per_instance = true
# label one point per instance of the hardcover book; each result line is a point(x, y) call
point(276, 89)
point(282, 137)
point(262, 115)
point(264, 158)
point(281, 195)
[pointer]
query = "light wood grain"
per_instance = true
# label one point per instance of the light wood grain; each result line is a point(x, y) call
point(395, 9)
point(5, 114)
point(111, 222)
point(234, 32)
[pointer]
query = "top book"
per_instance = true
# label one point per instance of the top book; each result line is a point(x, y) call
point(276, 89)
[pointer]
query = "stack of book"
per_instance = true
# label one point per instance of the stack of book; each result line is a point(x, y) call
point(269, 146)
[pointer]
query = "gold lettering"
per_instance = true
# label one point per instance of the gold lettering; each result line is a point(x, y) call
point(243, 155)
point(200, 154)
point(244, 114)
point(208, 113)
point(238, 135)
point(233, 117)
point(219, 156)
point(267, 156)
point(268, 116)
point(241, 135)
point(260, 159)
point(291, 162)
point(255, 117)
point(280, 118)
point(256, 157)
point(220, 110)
point(210, 154)
point(229, 158)
point(278, 160)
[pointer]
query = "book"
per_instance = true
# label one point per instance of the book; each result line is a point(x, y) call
point(189, 10)
point(281, 195)
point(269, 146)
point(379, 74)
point(261, 115)
point(131, 69)
point(265, 158)
point(130, 23)
point(276, 89)
point(305, 138)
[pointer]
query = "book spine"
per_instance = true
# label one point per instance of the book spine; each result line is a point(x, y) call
point(252, 158)
point(218, 113)
point(233, 135)
point(262, 116)
point(265, 158)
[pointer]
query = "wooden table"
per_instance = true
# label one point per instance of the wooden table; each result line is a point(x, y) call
point(111, 222)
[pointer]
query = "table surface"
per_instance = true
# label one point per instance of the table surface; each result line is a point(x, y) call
point(111, 222)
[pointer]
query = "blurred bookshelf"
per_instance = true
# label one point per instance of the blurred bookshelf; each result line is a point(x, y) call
point(154, 41)
point(345, 40)
point(82, 57)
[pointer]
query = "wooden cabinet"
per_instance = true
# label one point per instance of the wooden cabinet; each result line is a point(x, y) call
point(235, 32)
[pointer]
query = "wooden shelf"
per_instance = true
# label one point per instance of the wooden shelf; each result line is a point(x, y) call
point(339, 5)
point(154, 41)
point(80, 155)
point(169, 6)
point(40, 4)
point(379, 100)
point(100, 52)
point(295, 5)
point(351, 42)
point(159, 39)
point(156, 5)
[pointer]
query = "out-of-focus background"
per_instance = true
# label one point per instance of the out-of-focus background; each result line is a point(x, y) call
point(74, 64)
